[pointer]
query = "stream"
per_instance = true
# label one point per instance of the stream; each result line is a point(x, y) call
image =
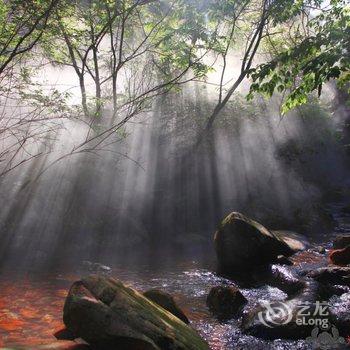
point(31, 304)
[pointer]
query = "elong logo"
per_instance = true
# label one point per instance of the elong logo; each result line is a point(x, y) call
point(280, 313)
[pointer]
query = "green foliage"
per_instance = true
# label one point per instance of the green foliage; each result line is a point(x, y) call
point(306, 65)
point(166, 41)
point(22, 24)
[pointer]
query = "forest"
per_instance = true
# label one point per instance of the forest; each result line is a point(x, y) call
point(174, 174)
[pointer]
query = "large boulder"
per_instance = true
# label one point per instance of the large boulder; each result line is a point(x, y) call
point(225, 301)
point(167, 302)
point(109, 315)
point(242, 243)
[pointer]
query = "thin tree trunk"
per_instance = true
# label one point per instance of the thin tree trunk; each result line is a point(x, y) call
point(114, 83)
point(83, 94)
point(97, 82)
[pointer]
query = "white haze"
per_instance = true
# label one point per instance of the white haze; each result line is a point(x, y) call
point(143, 190)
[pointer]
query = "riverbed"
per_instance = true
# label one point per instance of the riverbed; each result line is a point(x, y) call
point(31, 303)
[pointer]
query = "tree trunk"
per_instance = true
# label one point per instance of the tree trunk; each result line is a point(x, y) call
point(83, 95)
point(114, 83)
point(97, 82)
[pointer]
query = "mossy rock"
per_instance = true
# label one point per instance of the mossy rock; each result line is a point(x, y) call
point(167, 302)
point(107, 314)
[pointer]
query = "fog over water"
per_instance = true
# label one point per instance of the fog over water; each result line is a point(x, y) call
point(148, 186)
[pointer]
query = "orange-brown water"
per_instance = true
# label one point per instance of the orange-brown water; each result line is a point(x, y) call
point(30, 311)
point(31, 308)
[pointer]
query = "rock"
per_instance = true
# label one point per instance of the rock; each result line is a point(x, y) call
point(294, 240)
point(341, 242)
point(64, 334)
point(107, 314)
point(281, 324)
point(328, 291)
point(167, 302)
point(243, 244)
point(225, 301)
point(333, 275)
point(340, 256)
point(282, 319)
point(283, 260)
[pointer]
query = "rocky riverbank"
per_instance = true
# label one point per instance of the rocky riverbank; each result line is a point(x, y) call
point(105, 313)
point(223, 311)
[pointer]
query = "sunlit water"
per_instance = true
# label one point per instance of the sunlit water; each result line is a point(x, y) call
point(31, 307)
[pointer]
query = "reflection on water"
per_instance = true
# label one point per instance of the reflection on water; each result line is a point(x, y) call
point(31, 308)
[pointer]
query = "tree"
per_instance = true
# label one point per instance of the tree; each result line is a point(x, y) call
point(22, 25)
point(314, 49)
point(106, 40)
point(132, 50)
point(23, 123)
point(135, 50)
point(316, 55)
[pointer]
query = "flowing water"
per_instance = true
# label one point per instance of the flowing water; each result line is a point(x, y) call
point(34, 314)
point(31, 304)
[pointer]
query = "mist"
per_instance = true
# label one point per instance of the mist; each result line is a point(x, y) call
point(174, 174)
point(149, 187)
